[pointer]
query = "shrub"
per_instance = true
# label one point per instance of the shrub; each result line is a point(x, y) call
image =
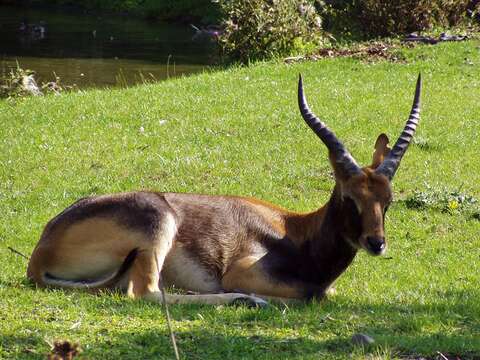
point(259, 29)
point(452, 202)
point(12, 84)
point(385, 17)
point(21, 82)
point(341, 18)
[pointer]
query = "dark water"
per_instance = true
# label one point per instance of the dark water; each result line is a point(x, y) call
point(89, 50)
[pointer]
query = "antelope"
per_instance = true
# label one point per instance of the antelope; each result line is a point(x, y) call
point(225, 249)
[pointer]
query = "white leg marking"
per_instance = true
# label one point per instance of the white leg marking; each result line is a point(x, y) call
point(164, 240)
point(207, 299)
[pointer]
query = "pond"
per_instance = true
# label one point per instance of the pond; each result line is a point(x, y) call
point(91, 50)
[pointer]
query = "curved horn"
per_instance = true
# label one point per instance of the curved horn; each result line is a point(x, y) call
point(389, 166)
point(340, 154)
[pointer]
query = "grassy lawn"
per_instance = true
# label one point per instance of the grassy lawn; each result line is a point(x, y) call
point(239, 132)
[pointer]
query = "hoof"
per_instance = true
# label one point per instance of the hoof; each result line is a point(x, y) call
point(249, 301)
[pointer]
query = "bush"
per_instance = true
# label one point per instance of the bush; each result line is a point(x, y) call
point(385, 17)
point(448, 201)
point(21, 82)
point(259, 29)
point(12, 84)
point(340, 17)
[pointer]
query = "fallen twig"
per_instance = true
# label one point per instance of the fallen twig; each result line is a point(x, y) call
point(169, 324)
point(430, 40)
point(17, 252)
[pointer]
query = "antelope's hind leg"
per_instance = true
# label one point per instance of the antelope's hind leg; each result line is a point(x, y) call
point(83, 254)
point(112, 241)
point(144, 275)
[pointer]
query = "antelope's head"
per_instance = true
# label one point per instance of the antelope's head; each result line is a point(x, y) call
point(365, 191)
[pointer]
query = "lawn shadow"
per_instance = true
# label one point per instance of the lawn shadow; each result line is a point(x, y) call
point(450, 326)
point(197, 344)
point(23, 347)
point(403, 328)
point(207, 344)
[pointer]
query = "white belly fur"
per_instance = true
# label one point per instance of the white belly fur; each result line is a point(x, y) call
point(181, 271)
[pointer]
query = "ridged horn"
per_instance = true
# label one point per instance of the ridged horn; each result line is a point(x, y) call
point(340, 154)
point(390, 165)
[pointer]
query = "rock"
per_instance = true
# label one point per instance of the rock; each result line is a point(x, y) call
point(362, 339)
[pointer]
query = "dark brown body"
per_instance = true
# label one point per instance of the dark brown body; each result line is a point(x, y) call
point(210, 244)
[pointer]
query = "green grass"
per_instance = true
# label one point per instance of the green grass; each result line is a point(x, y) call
point(239, 132)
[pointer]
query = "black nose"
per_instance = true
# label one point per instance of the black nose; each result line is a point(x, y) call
point(376, 244)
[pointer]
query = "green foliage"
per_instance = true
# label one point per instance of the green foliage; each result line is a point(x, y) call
point(340, 18)
point(384, 17)
point(452, 202)
point(18, 83)
point(11, 83)
point(258, 29)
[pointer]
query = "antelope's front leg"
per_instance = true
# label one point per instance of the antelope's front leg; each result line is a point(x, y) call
point(248, 275)
point(208, 299)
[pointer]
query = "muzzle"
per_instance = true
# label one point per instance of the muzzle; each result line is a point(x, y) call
point(376, 245)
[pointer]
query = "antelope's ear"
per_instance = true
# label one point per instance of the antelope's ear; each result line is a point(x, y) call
point(381, 150)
